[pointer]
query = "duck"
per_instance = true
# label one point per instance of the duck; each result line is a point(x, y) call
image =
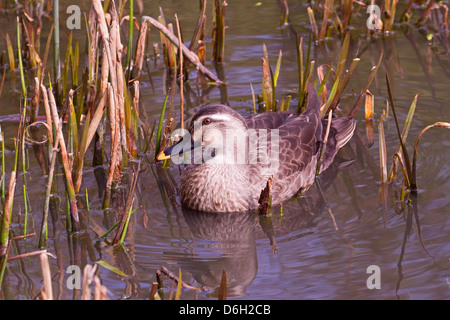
point(226, 174)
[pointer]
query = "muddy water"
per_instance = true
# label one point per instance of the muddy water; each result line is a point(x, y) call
point(296, 254)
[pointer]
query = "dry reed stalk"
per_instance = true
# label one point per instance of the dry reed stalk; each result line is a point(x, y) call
point(93, 43)
point(328, 5)
point(88, 276)
point(181, 74)
point(65, 160)
point(46, 291)
point(115, 37)
point(26, 255)
point(383, 156)
point(173, 277)
point(99, 290)
point(116, 155)
point(153, 290)
point(140, 49)
point(136, 96)
point(98, 114)
point(426, 12)
point(312, 21)
point(368, 106)
point(191, 56)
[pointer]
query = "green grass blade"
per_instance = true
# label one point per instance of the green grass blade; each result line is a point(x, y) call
point(160, 125)
point(404, 150)
point(404, 134)
point(106, 265)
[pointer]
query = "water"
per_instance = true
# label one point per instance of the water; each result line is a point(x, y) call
point(294, 255)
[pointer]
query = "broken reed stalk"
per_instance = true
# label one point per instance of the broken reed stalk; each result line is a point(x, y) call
point(46, 291)
point(191, 56)
point(265, 198)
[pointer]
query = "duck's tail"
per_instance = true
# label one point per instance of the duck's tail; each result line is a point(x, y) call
point(344, 128)
point(341, 131)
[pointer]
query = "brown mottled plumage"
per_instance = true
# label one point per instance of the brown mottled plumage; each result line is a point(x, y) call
point(237, 187)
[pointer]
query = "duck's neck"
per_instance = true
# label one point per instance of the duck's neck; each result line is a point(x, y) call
point(217, 187)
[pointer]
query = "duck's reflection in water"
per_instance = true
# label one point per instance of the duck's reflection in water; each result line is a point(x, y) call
point(228, 241)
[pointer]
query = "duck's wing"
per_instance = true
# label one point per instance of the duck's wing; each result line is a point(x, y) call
point(269, 120)
point(299, 143)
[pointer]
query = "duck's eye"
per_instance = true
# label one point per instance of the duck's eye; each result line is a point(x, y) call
point(206, 121)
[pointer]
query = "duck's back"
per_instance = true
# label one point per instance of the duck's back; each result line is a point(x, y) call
point(299, 138)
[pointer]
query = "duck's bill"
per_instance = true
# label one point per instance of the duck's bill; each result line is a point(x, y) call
point(162, 156)
point(178, 147)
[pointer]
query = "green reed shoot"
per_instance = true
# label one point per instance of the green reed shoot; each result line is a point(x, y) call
point(24, 187)
point(341, 77)
point(178, 292)
point(125, 228)
point(3, 165)
point(304, 71)
point(19, 54)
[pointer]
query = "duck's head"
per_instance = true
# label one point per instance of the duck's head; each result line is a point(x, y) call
point(210, 127)
point(213, 122)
